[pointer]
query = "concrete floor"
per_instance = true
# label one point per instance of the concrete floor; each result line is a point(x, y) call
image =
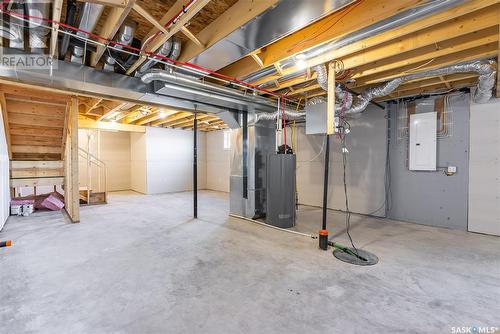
point(141, 265)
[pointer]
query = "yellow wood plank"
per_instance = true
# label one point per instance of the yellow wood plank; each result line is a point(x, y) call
point(91, 124)
point(37, 182)
point(36, 164)
point(458, 21)
point(191, 36)
point(6, 126)
point(233, 18)
point(181, 22)
point(56, 17)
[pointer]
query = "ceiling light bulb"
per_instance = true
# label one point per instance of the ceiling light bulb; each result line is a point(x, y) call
point(163, 114)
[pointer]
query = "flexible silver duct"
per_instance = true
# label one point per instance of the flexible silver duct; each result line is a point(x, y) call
point(163, 51)
point(15, 31)
point(124, 36)
point(176, 51)
point(37, 32)
point(268, 116)
point(343, 98)
point(485, 69)
point(486, 82)
point(89, 16)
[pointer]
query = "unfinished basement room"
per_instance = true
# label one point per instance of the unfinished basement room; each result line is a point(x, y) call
point(250, 166)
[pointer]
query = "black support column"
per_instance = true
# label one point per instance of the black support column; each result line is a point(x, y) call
point(195, 165)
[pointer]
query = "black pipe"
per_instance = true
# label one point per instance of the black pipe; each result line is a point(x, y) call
point(195, 166)
point(7, 243)
point(323, 234)
point(245, 155)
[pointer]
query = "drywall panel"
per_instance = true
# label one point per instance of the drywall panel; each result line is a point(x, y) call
point(111, 147)
point(4, 176)
point(218, 161)
point(432, 198)
point(138, 162)
point(169, 155)
point(115, 152)
point(484, 168)
point(367, 144)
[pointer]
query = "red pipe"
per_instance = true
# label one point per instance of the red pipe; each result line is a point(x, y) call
point(139, 51)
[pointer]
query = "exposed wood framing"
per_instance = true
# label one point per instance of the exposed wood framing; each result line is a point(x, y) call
point(351, 18)
point(91, 124)
point(56, 17)
point(181, 22)
point(71, 187)
point(191, 36)
point(113, 22)
point(110, 108)
point(6, 127)
point(144, 13)
point(233, 18)
point(472, 24)
point(257, 59)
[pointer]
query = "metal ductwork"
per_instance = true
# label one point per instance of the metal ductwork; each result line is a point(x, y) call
point(486, 82)
point(192, 89)
point(89, 16)
point(163, 51)
point(124, 36)
point(176, 51)
point(37, 32)
point(276, 22)
point(70, 20)
point(385, 25)
point(14, 29)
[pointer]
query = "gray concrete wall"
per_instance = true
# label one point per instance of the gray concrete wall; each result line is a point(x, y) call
point(367, 145)
point(432, 198)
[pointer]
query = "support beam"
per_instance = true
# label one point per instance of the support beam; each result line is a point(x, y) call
point(330, 106)
point(353, 17)
point(56, 17)
point(195, 166)
point(71, 190)
point(110, 108)
point(465, 19)
point(191, 36)
point(233, 18)
point(111, 26)
point(156, 43)
point(144, 13)
point(91, 124)
point(257, 59)
point(5, 116)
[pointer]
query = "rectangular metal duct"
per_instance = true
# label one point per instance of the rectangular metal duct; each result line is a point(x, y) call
point(276, 22)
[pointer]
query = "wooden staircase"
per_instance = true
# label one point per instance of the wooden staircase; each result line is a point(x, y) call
point(89, 197)
point(92, 190)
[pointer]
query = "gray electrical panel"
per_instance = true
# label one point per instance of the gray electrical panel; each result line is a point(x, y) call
point(280, 195)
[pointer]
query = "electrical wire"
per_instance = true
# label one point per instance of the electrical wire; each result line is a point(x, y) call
point(348, 211)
